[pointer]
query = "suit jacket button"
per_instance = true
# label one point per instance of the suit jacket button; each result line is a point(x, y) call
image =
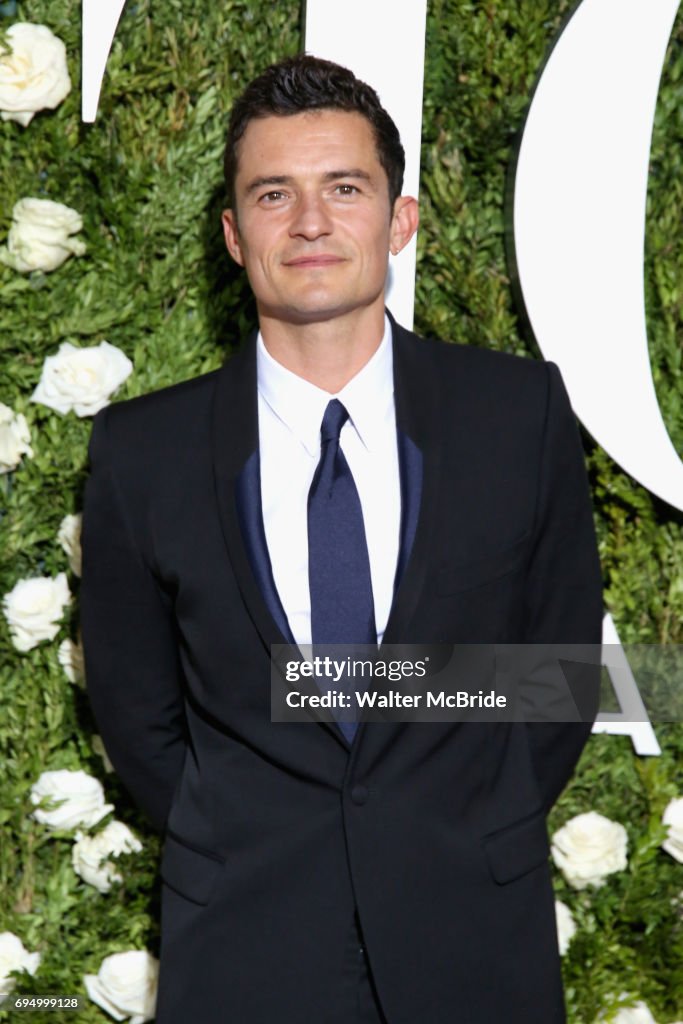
point(359, 795)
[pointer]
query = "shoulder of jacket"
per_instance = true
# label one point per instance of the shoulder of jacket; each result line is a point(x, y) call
point(137, 431)
point(487, 360)
point(158, 409)
point(484, 367)
point(167, 400)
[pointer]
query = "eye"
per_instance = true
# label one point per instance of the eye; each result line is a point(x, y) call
point(272, 197)
point(346, 190)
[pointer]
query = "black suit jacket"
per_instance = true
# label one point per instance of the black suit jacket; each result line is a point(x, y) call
point(275, 832)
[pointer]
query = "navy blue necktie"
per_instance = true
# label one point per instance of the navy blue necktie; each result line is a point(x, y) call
point(342, 608)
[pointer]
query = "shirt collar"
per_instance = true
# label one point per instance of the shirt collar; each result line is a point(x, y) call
point(300, 405)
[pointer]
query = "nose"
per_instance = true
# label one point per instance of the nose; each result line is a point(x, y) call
point(310, 218)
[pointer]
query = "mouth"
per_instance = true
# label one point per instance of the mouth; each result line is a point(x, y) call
point(319, 260)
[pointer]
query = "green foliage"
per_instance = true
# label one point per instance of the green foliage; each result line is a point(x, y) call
point(629, 937)
point(156, 282)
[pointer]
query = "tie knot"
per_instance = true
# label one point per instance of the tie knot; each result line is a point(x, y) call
point(334, 419)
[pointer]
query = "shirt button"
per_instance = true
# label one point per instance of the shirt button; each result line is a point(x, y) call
point(359, 795)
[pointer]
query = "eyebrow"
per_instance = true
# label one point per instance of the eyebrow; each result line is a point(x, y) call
point(286, 179)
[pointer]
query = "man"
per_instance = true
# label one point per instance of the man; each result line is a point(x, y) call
point(397, 872)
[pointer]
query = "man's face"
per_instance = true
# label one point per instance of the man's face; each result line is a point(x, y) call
point(312, 224)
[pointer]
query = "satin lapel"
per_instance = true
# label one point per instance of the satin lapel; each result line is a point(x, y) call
point(410, 463)
point(248, 502)
point(416, 397)
point(235, 441)
point(238, 493)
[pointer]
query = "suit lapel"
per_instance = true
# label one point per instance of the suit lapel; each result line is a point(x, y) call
point(410, 464)
point(420, 464)
point(248, 503)
point(235, 455)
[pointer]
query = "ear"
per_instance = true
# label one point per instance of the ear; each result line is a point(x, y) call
point(404, 222)
point(232, 235)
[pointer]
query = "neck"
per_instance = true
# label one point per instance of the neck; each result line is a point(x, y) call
point(327, 353)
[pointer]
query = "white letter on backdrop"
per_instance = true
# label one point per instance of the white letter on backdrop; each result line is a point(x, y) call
point(579, 224)
point(100, 18)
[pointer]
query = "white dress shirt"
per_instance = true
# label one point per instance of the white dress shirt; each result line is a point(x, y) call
point(290, 412)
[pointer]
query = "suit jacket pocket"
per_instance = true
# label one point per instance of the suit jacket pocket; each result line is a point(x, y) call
point(479, 571)
point(518, 848)
point(187, 869)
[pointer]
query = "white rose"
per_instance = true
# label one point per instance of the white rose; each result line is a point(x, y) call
point(34, 608)
point(82, 379)
point(639, 1013)
point(588, 848)
point(81, 796)
point(70, 656)
point(14, 957)
point(126, 985)
point(14, 439)
point(98, 747)
point(89, 854)
point(566, 926)
point(39, 235)
point(69, 536)
point(673, 818)
point(34, 75)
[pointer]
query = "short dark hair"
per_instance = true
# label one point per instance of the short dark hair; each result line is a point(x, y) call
point(297, 84)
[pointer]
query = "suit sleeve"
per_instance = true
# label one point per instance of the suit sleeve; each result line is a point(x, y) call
point(564, 585)
point(132, 667)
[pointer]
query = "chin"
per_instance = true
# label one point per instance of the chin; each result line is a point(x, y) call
point(313, 311)
point(322, 307)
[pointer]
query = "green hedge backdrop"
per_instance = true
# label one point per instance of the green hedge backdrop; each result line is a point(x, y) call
point(157, 283)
